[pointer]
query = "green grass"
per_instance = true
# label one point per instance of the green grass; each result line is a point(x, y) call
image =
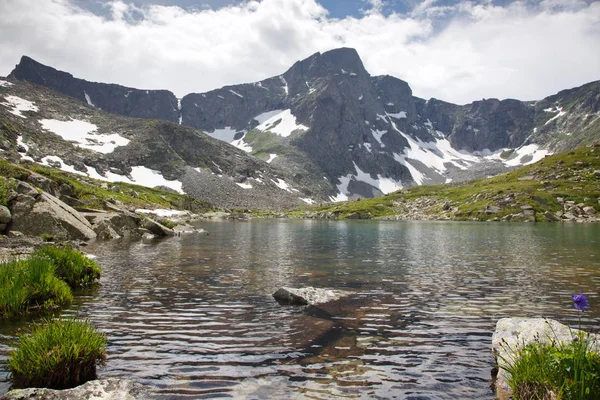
point(44, 281)
point(568, 371)
point(569, 175)
point(58, 354)
point(71, 265)
point(28, 285)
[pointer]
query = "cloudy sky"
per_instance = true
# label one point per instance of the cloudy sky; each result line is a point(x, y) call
point(455, 50)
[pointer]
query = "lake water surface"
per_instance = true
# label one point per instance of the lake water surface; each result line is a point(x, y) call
point(194, 317)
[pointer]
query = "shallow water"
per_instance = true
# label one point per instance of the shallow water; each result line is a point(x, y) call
point(193, 316)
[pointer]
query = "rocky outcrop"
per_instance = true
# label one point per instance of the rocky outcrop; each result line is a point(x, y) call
point(512, 334)
point(307, 296)
point(37, 213)
point(115, 99)
point(105, 389)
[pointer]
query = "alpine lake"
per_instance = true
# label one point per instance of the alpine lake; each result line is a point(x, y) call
point(193, 316)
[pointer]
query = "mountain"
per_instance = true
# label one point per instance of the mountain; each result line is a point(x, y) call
point(43, 126)
point(332, 127)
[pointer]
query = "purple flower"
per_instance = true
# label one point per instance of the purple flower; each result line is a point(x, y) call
point(580, 301)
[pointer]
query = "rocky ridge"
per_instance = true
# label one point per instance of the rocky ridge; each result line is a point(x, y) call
point(43, 126)
point(328, 117)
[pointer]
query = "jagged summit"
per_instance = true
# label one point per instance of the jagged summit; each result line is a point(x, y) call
point(335, 128)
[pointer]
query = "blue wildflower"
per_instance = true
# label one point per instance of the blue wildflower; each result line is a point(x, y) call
point(580, 301)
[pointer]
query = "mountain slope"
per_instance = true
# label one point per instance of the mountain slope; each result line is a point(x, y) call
point(346, 134)
point(43, 126)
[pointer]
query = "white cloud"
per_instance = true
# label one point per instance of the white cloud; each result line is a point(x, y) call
point(458, 53)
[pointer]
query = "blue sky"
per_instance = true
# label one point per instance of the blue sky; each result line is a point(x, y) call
point(336, 8)
point(454, 50)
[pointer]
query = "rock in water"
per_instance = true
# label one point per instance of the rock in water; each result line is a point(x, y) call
point(306, 296)
point(105, 389)
point(512, 334)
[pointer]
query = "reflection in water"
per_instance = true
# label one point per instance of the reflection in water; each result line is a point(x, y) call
point(193, 316)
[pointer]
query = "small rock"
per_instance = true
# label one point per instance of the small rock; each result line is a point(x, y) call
point(492, 209)
point(5, 215)
point(551, 217)
point(561, 200)
point(526, 207)
point(589, 210)
point(526, 178)
point(305, 296)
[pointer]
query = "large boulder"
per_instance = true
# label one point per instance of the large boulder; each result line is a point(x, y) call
point(512, 334)
point(307, 296)
point(156, 228)
point(105, 389)
point(116, 225)
point(35, 213)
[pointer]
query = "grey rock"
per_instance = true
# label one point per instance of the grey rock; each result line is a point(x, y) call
point(511, 334)
point(105, 389)
point(41, 182)
point(307, 296)
point(27, 189)
point(551, 217)
point(588, 210)
point(115, 225)
point(526, 178)
point(156, 228)
point(492, 209)
point(49, 215)
point(5, 215)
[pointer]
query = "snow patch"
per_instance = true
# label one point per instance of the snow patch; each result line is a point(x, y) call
point(240, 144)
point(51, 161)
point(236, 94)
point(244, 185)
point(281, 184)
point(385, 185)
point(361, 97)
point(282, 124)
point(271, 158)
point(285, 85)
point(5, 83)
point(225, 134)
point(161, 212)
point(399, 115)
point(261, 118)
point(82, 134)
point(307, 200)
point(88, 99)
point(378, 134)
point(532, 150)
point(559, 114)
point(19, 105)
point(390, 104)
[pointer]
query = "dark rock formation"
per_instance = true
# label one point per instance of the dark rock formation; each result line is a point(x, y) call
point(111, 98)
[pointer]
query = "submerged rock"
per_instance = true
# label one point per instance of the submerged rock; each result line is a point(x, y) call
point(307, 296)
point(105, 389)
point(512, 334)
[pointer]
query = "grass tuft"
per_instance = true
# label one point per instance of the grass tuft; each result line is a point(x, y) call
point(44, 281)
point(562, 371)
point(71, 265)
point(58, 354)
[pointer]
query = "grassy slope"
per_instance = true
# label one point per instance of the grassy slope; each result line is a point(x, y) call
point(568, 175)
point(94, 193)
